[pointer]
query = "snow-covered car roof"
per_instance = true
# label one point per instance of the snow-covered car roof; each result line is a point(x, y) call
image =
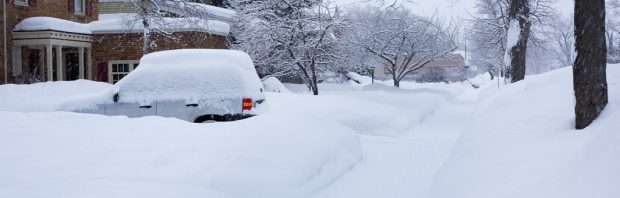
point(191, 74)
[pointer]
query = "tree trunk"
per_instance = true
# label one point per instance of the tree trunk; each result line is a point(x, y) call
point(315, 86)
point(372, 76)
point(396, 80)
point(144, 13)
point(589, 77)
point(519, 10)
point(315, 90)
point(145, 37)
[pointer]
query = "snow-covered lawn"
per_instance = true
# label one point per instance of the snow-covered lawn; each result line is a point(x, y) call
point(424, 140)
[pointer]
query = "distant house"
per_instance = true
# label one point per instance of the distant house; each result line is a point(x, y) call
point(44, 40)
point(449, 69)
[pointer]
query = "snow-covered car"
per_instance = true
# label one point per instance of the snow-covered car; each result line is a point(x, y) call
point(197, 85)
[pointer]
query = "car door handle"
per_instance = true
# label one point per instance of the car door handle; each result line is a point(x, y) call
point(191, 105)
point(145, 107)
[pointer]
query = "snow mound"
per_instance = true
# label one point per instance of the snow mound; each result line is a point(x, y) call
point(521, 142)
point(359, 79)
point(363, 116)
point(267, 156)
point(272, 84)
point(191, 74)
point(45, 96)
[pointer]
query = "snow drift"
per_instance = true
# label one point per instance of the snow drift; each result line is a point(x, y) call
point(522, 143)
point(87, 155)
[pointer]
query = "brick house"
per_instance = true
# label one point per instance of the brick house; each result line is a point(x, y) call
point(49, 40)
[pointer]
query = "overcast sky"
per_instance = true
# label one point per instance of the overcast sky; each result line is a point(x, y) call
point(452, 8)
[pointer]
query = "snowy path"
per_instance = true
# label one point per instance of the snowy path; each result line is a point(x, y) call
point(404, 166)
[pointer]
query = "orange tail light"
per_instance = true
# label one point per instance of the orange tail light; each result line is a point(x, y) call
point(247, 104)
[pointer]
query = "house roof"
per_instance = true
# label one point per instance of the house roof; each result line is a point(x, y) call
point(210, 12)
point(122, 24)
point(132, 24)
point(50, 23)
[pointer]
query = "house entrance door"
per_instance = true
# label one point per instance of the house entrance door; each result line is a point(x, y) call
point(35, 69)
point(72, 66)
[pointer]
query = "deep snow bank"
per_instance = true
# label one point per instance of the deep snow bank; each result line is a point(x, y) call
point(45, 96)
point(521, 143)
point(83, 155)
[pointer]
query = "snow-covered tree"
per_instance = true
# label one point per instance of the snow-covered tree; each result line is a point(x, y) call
point(288, 37)
point(155, 17)
point(399, 40)
point(516, 39)
point(589, 70)
point(489, 29)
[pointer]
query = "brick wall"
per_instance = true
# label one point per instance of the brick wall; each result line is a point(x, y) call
point(51, 8)
point(128, 46)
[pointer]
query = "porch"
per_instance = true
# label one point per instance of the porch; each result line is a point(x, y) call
point(51, 55)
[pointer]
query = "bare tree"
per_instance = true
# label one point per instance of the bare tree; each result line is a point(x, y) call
point(589, 70)
point(612, 24)
point(400, 41)
point(562, 36)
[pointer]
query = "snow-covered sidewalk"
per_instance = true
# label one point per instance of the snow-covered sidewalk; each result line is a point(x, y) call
point(404, 166)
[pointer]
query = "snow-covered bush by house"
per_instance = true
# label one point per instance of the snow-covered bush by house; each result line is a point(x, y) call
point(272, 84)
point(46, 96)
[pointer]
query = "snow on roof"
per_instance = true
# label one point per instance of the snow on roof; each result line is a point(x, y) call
point(50, 23)
point(191, 74)
point(122, 23)
point(118, 23)
point(212, 12)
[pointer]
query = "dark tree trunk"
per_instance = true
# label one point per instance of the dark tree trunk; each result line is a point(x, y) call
point(589, 77)
point(315, 82)
point(519, 10)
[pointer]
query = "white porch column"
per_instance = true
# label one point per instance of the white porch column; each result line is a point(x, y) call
point(17, 60)
point(41, 67)
point(48, 54)
point(89, 63)
point(60, 73)
point(81, 61)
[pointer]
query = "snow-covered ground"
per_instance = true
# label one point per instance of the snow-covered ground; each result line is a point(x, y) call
point(424, 140)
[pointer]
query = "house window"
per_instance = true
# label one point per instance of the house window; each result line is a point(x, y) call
point(118, 69)
point(21, 2)
point(79, 6)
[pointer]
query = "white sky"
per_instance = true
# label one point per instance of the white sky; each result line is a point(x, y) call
point(452, 8)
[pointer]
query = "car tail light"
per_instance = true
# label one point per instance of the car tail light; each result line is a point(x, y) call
point(247, 104)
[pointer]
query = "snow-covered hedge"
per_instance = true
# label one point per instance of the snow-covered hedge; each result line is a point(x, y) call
point(272, 84)
point(45, 96)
